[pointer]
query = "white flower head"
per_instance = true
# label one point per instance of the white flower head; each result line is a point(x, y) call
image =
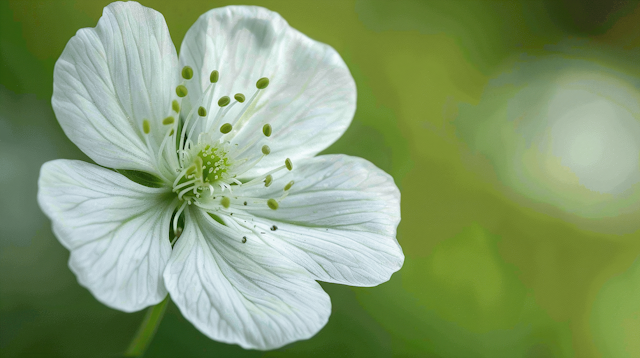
point(236, 219)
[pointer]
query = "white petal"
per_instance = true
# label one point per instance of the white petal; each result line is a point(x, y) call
point(339, 220)
point(311, 97)
point(117, 231)
point(243, 293)
point(111, 77)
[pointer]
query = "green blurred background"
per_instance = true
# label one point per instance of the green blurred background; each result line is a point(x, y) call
point(510, 251)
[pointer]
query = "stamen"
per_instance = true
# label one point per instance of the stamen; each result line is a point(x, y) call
point(181, 91)
point(168, 120)
point(225, 201)
point(239, 97)
point(262, 83)
point(146, 126)
point(266, 150)
point(224, 101)
point(175, 106)
point(187, 72)
point(202, 112)
point(266, 130)
point(268, 180)
point(288, 186)
point(272, 204)
point(215, 75)
point(288, 164)
point(226, 128)
point(175, 218)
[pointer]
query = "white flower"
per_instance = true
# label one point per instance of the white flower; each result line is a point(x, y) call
point(257, 232)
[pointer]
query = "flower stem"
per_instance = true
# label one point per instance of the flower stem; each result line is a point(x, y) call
point(147, 329)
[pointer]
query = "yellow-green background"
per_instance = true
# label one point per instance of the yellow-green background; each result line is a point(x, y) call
point(489, 271)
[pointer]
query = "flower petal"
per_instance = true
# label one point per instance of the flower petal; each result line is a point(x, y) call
point(117, 231)
point(244, 293)
point(339, 220)
point(311, 97)
point(111, 77)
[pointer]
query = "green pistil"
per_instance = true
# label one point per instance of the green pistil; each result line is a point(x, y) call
point(215, 163)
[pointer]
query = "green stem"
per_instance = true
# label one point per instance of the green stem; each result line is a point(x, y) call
point(147, 329)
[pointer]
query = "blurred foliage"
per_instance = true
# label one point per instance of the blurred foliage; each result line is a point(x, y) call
point(488, 271)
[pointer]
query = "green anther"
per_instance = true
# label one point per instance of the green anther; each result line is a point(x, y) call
point(268, 180)
point(288, 164)
point(262, 83)
point(146, 126)
point(239, 97)
point(182, 91)
point(202, 112)
point(187, 72)
point(266, 130)
point(223, 101)
point(215, 75)
point(288, 186)
point(168, 120)
point(175, 106)
point(225, 201)
point(171, 133)
point(273, 204)
point(226, 128)
point(266, 150)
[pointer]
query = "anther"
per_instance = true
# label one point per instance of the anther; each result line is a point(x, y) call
point(223, 101)
point(202, 112)
point(288, 164)
point(171, 133)
point(168, 120)
point(225, 201)
point(266, 150)
point(268, 180)
point(262, 83)
point(226, 128)
point(272, 204)
point(239, 97)
point(266, 130)
point(146, 126)
point(181, 91)
point(187, 72)
point(244, 239)
point(215, 75)
point(175, 106)
point(288, 186)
